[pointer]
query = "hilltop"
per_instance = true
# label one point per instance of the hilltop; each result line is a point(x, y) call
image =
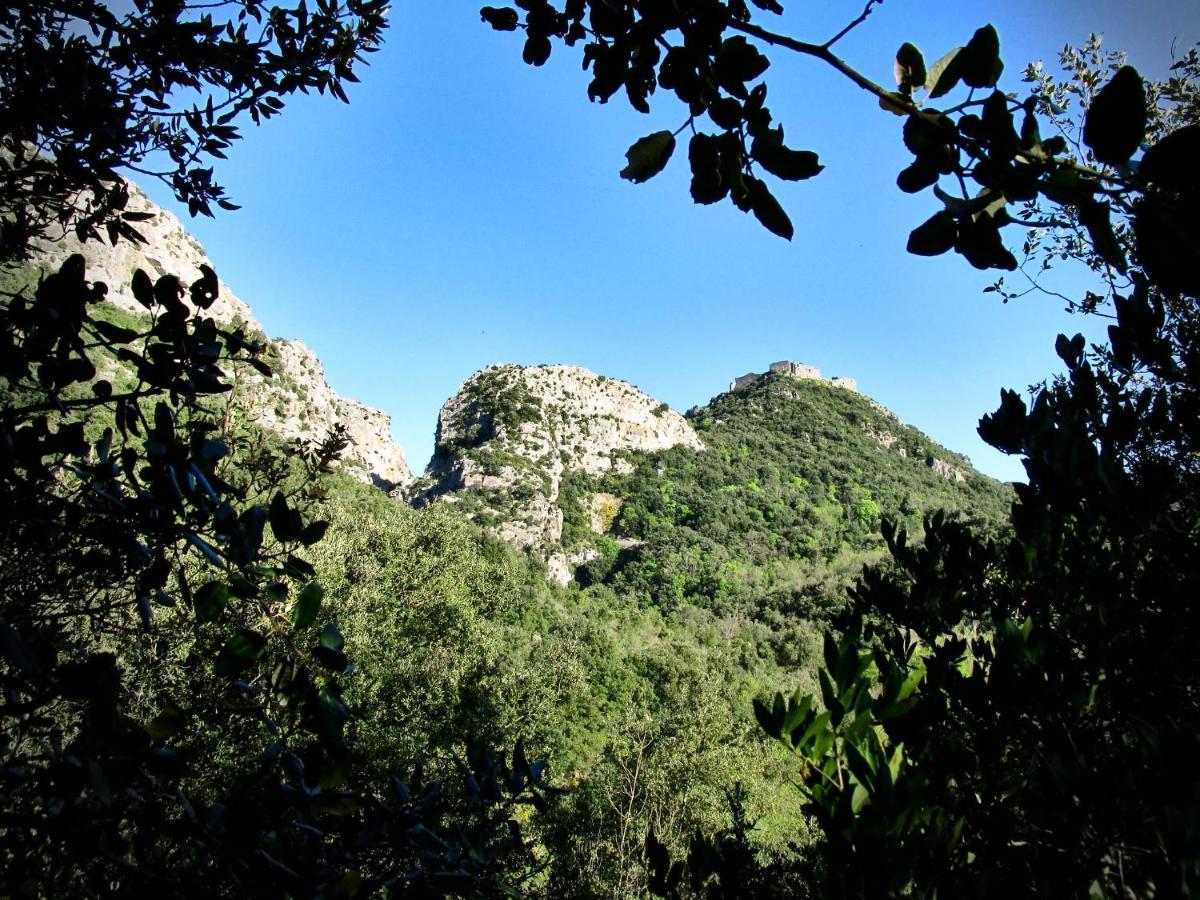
point(581, 470)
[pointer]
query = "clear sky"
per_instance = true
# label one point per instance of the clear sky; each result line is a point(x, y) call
point(465, 209)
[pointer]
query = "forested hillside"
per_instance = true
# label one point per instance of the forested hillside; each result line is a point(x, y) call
point(709, 570)
point(782, 509)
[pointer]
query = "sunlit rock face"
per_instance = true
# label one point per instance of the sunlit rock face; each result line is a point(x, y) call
point(297, 402)
point(506, 439)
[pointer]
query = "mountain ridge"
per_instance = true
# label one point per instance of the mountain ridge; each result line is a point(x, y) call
point(297, 402)
point(535, 454)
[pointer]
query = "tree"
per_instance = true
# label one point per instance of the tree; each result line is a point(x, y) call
point(155, 595)
point(998, 717)
point(86, 93)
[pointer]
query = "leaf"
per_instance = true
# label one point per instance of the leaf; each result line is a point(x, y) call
point(502, 19)
point(705, 158)
point(790, 165)
point(285, 521)
point(917, 176)
point(143, 289)
point(212, 450)
point(737, 62)
point(859, 798)
point(332, 714)
point(767, 209)
point(909, 68)
point(1070, 350)
point(944, 74)
point(239, 652)
point(166, 724)
point(331, 637)
point(980, 243)
point(935, 236)
point(308, 604)
point(1116, 121)
point(726, 112)
point(1005, 428)
point(210, 601)
point(537, 49)
point(648, 156)
point(1171, 163)
point(313, 533)
point(205, 289)
point(766, 721)
point(979, 64)
point(1096, 218)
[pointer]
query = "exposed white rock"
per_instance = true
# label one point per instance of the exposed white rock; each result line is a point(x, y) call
point(297, 402)
point(514, 431)
point(949, 471)
point(169, 250)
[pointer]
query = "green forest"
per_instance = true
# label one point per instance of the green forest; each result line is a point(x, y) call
point(801, 661)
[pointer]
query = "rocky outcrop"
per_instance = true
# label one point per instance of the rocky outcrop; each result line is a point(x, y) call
point(297, 402)
point(168, 250)
point(510, 436)
point(947, 470)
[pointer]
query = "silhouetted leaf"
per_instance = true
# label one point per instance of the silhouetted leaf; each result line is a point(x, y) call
point(704, 156)
point(935, 236)
point(308, 604)
point(1095, 217)
point(909, 68)
point(725, 112)
point(210, 601)
point(944, 74)
point(167, 723)
point(918, 176)
point(648, 156)
point(1171, 163)
point(501, 19)
point(537, 49)
point(790, 165)
point(979, 63)
point(737, 62)
point(767, 209)
point(143, 289)
point(1116, 120)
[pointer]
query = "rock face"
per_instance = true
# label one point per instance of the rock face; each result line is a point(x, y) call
point(169, 250)
point(511, 437)
point(297, 402)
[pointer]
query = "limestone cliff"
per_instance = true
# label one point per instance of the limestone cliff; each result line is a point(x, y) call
point(511, 436)
point(297, 402)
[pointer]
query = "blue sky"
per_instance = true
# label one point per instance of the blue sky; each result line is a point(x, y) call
point(464, 209)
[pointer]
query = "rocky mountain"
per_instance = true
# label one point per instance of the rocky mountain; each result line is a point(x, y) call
point(586, 472)
point(579, 469)
point(508, 438)
point(297, 402)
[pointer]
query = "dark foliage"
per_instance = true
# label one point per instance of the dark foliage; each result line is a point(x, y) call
point(124, 507)
point(86, 93)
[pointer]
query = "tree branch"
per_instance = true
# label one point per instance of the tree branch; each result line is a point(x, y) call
point(871, 4)
point(822, 52)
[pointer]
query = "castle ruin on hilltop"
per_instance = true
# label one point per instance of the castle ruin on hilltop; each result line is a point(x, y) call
point(792, 370)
